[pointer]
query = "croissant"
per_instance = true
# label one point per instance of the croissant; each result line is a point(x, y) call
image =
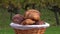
point(32, 14)
point(28, 22)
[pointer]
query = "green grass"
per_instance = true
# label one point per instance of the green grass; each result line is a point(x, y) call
point(46, 15)
point(6, 31)
point(53, 30)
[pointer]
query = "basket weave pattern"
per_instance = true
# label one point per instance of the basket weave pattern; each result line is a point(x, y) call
point(30, 31)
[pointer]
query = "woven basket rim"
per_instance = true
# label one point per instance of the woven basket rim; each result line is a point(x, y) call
point(23, 27)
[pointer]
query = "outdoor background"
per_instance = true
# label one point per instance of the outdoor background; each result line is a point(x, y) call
point(42, 5)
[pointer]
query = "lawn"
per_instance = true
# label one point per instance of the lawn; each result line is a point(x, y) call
point(47, 16)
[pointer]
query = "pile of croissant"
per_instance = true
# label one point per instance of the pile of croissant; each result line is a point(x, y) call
point(30, 17)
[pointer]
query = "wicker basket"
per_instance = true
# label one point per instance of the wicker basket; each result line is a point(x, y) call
point(30, 31)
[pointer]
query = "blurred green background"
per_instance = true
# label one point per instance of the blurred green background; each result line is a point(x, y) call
point(46, 15)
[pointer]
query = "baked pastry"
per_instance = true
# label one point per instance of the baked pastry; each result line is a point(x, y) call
point(28, 22)
point(17, 18)
point(32, 14)
point(40, 22)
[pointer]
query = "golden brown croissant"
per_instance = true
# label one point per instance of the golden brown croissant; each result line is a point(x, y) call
point(27, 22)
point(32, 14)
